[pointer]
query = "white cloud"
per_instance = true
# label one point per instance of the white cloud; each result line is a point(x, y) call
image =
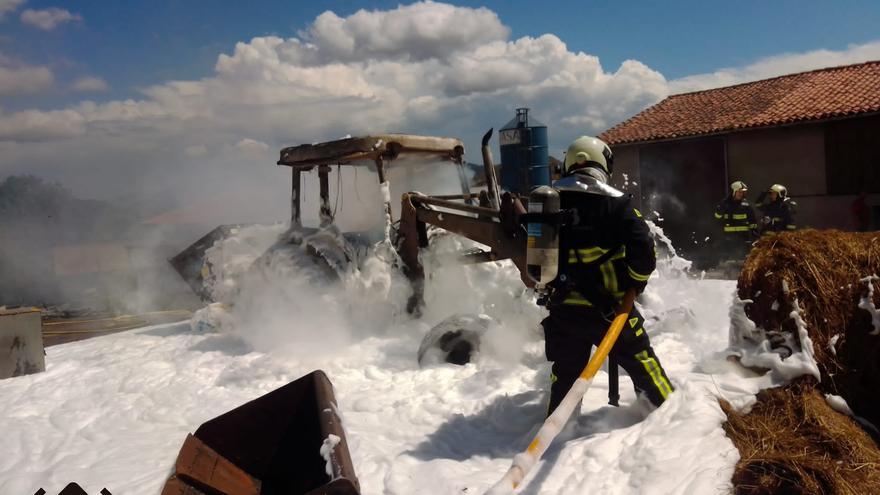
point(18, 78)
point(48, 19)
point(196, 150)
point(413, 32)
point(34, 125)
point(777, 65)
point(89, 84)
point(126, 118)
point(252, 146)
point(426, 68)
point(7, 6)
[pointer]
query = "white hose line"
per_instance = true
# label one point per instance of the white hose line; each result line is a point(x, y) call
point(524, 461)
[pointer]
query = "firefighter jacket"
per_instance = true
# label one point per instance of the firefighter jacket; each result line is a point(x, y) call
point(607, 250)
point(736, 218)
point(778, 215)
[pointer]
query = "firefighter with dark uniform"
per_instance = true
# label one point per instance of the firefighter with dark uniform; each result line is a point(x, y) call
point(605, 250)
point(778, 211)
point(737, 221)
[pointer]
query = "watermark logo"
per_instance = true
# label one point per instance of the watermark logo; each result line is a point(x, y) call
point(73, 489)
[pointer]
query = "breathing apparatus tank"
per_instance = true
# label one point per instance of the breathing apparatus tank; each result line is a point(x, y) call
point(542, 248)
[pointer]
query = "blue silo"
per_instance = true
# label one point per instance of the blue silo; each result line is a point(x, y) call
point(525, 157)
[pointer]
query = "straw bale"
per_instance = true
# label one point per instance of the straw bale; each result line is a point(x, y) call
point(792, 441)
point(822, 270)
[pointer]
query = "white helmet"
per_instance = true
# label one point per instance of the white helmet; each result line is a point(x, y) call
point(780, 190)
point(738, 186)
point(589, 151)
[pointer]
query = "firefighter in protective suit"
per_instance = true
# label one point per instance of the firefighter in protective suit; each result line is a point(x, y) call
point(778, 210)
point(737, 221)
point(605, 251)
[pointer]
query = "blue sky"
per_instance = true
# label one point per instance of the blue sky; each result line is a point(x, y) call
point(136, 43)
point(146, 97)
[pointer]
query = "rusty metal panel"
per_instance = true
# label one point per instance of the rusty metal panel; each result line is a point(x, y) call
point(175, 486)
point(365, 150)
point(275, 440)
point(202, 467)
point(21, 342)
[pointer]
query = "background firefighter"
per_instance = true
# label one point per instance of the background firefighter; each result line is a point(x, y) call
point(606, 250)
point(736, 220)
point(778, 211)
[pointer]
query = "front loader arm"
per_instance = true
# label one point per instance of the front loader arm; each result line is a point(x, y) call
point(484, 231)
point(496, 229)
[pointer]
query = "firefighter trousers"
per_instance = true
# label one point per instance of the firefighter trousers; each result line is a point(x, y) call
point(571, 331)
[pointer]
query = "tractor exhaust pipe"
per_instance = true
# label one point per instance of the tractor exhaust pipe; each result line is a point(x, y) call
point(489, 170)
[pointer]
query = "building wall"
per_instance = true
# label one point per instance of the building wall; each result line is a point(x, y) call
point(679, 184)
point(696, 175)
point(833, 212)
point(852, 155)
point(795, 157)
point(626, 175)
point(792, 156)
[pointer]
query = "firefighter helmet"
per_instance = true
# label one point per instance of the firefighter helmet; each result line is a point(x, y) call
point(589, 152)
point(780, 190)
point(738, 186)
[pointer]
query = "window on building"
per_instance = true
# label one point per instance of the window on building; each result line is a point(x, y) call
point(852, 155)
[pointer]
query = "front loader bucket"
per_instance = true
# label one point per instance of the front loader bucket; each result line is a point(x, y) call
point(190, 263)
point(289, 441)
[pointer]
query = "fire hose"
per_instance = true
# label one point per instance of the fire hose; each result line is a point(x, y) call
point(524, 461)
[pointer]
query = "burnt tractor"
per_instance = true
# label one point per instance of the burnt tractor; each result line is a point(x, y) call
point(249, 449)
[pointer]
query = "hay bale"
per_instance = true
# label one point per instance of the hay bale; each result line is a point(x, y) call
point(823, 272)
point(793, 442)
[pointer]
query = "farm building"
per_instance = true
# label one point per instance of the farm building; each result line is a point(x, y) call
point(817, 133)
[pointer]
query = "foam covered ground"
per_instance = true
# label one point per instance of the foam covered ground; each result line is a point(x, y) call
point(113, 411)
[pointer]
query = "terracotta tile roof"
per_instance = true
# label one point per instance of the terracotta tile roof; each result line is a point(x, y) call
point(806, 96)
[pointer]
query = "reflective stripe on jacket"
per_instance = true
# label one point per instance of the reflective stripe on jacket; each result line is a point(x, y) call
point(607, 224)
point(735, 216)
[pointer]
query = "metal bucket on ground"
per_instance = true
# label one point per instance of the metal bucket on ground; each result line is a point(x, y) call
point(289, 441)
